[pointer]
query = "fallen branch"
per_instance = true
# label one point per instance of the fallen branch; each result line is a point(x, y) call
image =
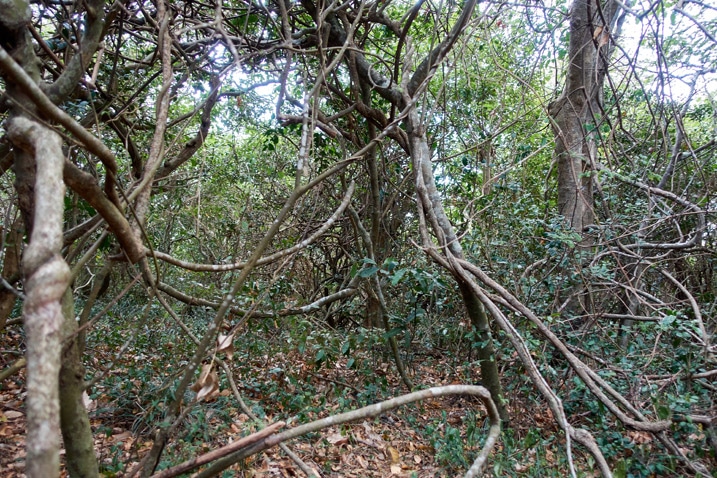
point(235, 390)
point(220, 452)
point(370, 412)
point(13, 369)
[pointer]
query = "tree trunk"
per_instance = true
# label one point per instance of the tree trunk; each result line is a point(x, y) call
point(10, 269)
point(76, 430)
point(576, 115)
point(576, 118)
point(38, 164)
point(39, 150)
point(486, 352)
point(443, 229)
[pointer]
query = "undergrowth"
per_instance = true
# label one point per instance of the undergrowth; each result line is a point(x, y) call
point(298, 372)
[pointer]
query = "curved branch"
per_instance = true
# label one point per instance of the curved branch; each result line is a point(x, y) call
point(54, 113)
point(439, 53)
point(662, 193)
point(192, 146)
point(374, 411)
point(85, 185)
point(591, 379)
point(704, 30)
point(412, 14)
point(70, 77)
point(349, 291)
point(695, 309)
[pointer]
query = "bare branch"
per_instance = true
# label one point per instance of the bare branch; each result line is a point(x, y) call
point(220, 452)
point(48, 108)
point(374, 411)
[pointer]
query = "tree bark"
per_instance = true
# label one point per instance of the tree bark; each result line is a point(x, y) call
point(38, 164)
point(75, 423)
point(576, 118)
point(577, 113)
point(47, 279)
point(10, 269)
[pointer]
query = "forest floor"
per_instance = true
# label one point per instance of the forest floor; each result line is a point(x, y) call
point(429, 439)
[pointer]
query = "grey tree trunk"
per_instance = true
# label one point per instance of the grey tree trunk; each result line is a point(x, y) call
point(577, 113)
point(576, 118)
point(38, 163)
point(47, 278)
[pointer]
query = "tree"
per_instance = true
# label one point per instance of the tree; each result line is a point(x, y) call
point(577, 113)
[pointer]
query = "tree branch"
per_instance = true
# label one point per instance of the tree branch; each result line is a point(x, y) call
point(52, 112)
point(374, 411)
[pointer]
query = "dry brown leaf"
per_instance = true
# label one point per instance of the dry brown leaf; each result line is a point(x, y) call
point(337, 439)
point(393, 455)
point(373, 438)
point(206, 370)
point(207, 386)
point(604, 39)
point(601, 35)
point(549, 455)
point(225, 343)
point(12, 414)
point(210, 391)
point(639, 437)
point(121, 436)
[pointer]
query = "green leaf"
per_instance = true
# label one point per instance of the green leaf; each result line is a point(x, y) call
point(398, 276)
point(390, 264)
point(392, 333)
point(668, 320)
point(620, 470)
point(368, 272)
